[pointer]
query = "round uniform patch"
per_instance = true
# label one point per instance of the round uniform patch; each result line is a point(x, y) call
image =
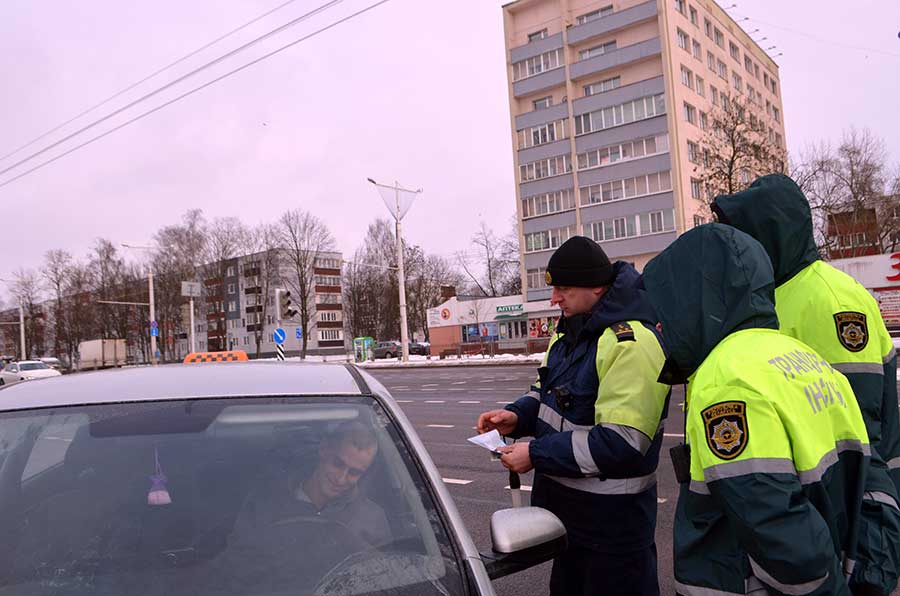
point(852, 331)
point(727, 433)
point(548, 278)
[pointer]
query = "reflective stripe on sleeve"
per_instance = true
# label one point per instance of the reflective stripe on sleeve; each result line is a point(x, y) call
point(792, 589)
point(635, 438)
point(829, 459)
point(699, 487)
point(533, 395)
point(582, 452)
point(890, 355)
point(555, 419)
point(871, 368)
point(611, 486)
point(758, 465)
point(881, 497)
point(893, 463)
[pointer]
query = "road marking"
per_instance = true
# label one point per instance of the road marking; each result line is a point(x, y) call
point(486, 381)
point(524, 488)
point(459, 383)
point(467, 401)
point(434, 401)
point(404, 401)
point(680, 436)
point(504, 402)
point(486, 389)
point(400, 387)
point(430, 385)
point(455, 481)
point(58, 439)
point(661, 501)
point(439, 425)
point(457, 389)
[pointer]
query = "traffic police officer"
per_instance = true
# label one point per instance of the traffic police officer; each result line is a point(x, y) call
point(778, 451)
point(596, 414)
point(828, 310)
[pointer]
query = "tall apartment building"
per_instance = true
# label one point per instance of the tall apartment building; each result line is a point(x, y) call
point(608, 102)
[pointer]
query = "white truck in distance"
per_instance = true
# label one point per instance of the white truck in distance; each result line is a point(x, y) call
point(101, 353)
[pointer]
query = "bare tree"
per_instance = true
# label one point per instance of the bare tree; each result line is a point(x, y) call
point(304, 237)
point(57, 264)
point(735, 149)
point(428, 274)
point(495, 271)
point(26, 289)
point(262, 271)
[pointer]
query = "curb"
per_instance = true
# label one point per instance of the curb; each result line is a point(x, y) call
point(370, 366)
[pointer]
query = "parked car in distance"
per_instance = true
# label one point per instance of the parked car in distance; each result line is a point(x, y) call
point(54, 363)
point(26, 370)
point(199, 479)
point(393, 349)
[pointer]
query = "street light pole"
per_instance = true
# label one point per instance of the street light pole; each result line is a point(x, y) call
point(22, 331)
point(152, 303)
point(398, 212)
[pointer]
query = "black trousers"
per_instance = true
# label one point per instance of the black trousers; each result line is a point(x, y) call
point(584, 572)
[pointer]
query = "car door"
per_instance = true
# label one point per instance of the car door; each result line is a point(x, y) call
point(10, 374)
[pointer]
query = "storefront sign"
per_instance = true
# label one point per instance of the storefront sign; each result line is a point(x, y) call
point(510, 308)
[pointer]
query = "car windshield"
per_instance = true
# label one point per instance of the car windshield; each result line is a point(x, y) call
point(33, 366)
point(238, 496)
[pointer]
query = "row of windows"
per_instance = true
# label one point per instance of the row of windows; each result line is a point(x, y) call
point(551, 202)
point(623, 151)
point(579, 20)
point(327, 280)
point(548, 239)
point(626, 188)
point(327, 263)
point(545, 133)
point(599, 50)
point(545, 168)
point(630, 226)
point(330, 334)
point(602, 86)
point(630, 111)
point(538, 64)
point(536, 278)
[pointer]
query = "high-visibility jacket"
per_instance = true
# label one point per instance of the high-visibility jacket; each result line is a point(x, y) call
point(596, 414)
point(778, 458)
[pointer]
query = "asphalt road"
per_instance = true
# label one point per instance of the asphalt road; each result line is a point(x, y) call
point(444, 403)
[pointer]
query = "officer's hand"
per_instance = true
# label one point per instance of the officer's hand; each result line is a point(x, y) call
point(516, 457)
point(503, 421)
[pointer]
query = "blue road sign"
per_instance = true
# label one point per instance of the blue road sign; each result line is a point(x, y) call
point(154, 331)
point(154, 325)
point(298, 333)
point(280, 335)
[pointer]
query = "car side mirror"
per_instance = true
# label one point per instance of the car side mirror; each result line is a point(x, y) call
point(523, 537)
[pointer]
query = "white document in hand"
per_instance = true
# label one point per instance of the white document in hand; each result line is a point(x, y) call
point(490, 440)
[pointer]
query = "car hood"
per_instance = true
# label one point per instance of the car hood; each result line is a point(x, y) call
point(39, 374)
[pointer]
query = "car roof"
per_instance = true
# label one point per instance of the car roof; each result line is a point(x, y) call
point(27, 362)
point(181, 381)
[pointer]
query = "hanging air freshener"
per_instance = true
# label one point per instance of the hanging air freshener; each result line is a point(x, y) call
point(159, 494)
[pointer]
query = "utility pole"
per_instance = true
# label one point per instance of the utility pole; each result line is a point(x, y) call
point(24, 355)
point(153, 328)
point(398, 211)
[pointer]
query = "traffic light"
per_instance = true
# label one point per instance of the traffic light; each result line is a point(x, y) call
point(283, 298)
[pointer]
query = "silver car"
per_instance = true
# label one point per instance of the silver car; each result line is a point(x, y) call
point(236, 478)
point(25, 370)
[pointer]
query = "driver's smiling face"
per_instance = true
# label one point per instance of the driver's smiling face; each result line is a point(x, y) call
point(342, 466)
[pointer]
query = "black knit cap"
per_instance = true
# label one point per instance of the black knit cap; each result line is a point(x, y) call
point(579, 262)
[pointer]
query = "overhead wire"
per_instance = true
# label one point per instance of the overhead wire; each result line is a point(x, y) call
point(176, 81)
point(147, 78)
point(195, 90)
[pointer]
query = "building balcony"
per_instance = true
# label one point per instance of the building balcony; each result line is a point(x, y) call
point(328, 289)
point(539, 82)
point(254, 290)
point(325, 306)
point(614, 22)
point(633, 53)
point(251, 272)
point(325, 271)
point(252, 309)
point(330, 324)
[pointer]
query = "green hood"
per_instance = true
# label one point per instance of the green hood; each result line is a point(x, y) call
point(774, 211)
point(712, 281)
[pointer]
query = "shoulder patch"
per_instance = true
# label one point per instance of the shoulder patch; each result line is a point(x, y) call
point(623, 331)
point(727, 433)
point(852, 331)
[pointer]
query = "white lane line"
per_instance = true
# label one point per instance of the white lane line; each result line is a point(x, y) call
point(430, 385)
point(439, 425)
point(661, 501)
point(486, 389)
point(676, 435)
point(399, 387)
point(58, 439)
point(404, 401)
point(486, 381)
point(469, 401)
point(455, 481)
point(459, 383)
point(434, 401)
point(504, 402)
point(524, 487)
point(457, 389)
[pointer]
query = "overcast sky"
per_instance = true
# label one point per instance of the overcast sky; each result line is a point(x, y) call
point(414, 90)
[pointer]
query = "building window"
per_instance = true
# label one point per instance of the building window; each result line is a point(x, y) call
point(693, 13)
point(684, 41)
point(229, 272)
point(722, 70)
point(707, 28)
point(601, 87)
point(594, 15)
point(698, 220)
point(537, 35)
point(330, 334)
point(231, 288)
point(774, 87)
point(701, 88)
point(679, 6)
point(323, 263)
point(756, 71)
point(597, 50)
point(545, 168)
point(737, 82)
point(776, 113)
point(751, 94)
point(693, 153)
point(735, 51)
point(631, 111)
point(777, 140)
point(698, 50)
point(327, 280)
point(538, 64)
point(696, 189)
point(544, 133)
point(704, 121)
point(748, 64)
point(542, 103)
point(627, 188)
point(711, 61)
point(726, 105)
point(687, 77)
point(643, 224)
point(690, 113)
point(719, 38)
point(328, 316)
point(548, 239)
point(546, 203)
point(536, 278)
point(623, 152)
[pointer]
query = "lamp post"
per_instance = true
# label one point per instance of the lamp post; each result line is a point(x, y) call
point(152, 302)
point(391, 197)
